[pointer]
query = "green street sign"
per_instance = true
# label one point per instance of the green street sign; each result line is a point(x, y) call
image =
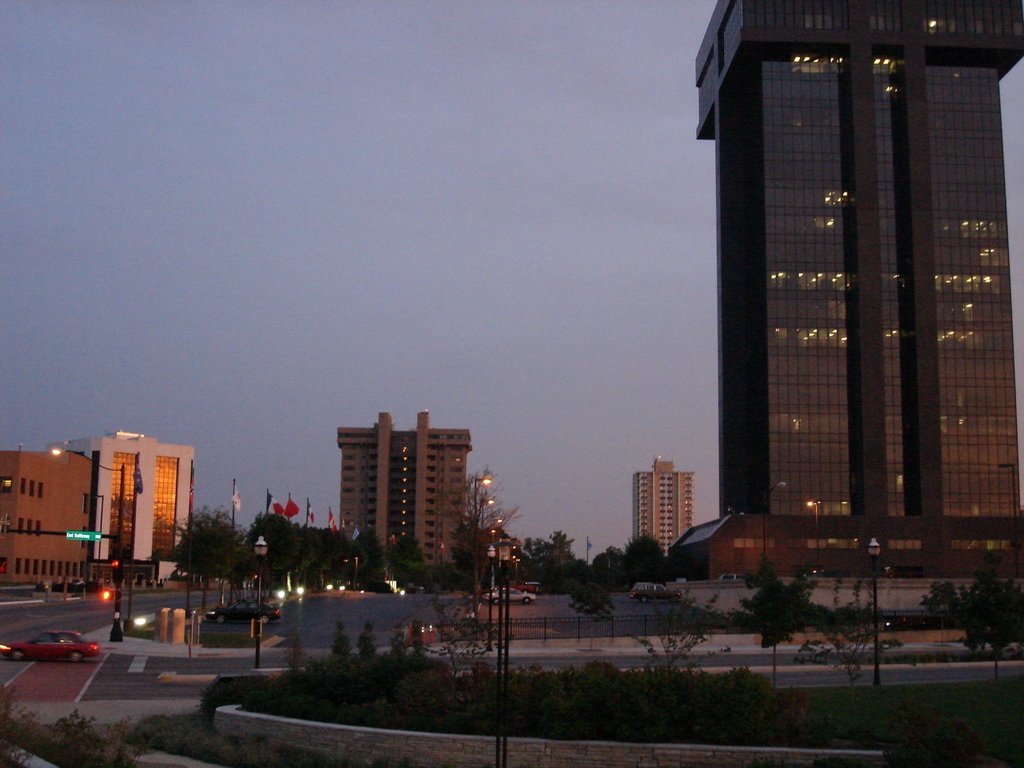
point(85, 535)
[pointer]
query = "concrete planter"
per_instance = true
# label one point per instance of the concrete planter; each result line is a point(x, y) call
point(431, 750)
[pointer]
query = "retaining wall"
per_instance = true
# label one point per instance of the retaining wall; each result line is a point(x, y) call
point(429, 750)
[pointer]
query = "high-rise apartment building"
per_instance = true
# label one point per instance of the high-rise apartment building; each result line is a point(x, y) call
point(662, 503)
point(404, 483)
point(866, 351)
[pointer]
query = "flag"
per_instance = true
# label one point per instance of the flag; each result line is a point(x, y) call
point(291, 509)
point(355, 533)
point(589, 545)
point(270, 502)
point(137, 476)
point(191, 488)
point(278, 509)
point(310, 517)
point(330, 520)
point(236, 502)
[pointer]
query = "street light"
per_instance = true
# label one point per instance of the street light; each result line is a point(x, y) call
point(491, 555)
point(260, 549)
point(1016, 518)
point(874, 548)
point(768, 511)
point(115, 557)
point(817, 540)
point(501, 551)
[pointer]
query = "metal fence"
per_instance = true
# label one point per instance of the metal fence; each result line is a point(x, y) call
point(642, 625)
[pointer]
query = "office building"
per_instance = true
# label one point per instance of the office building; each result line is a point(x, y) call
point(662, 503)
point(866, 352)
point(404, 483)
point(42, 497)
point(141, 524)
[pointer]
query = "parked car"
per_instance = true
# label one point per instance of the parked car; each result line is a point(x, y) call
point(649, 590)
point(533, 587)
point(731, 577)
point(52, 645)
point(244, 610)
point(514, 596)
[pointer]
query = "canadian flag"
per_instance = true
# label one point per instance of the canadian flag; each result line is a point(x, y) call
point(330, 521)
point(291, 509)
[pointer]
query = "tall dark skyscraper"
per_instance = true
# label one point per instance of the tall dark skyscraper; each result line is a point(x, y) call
point(866, 350)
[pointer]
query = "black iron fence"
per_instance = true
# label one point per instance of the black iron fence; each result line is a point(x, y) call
point(641, 625)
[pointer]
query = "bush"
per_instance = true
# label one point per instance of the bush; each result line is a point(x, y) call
point(737, 707)
point(227, 690)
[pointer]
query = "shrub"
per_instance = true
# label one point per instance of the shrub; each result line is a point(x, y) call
point(227, 690)
point(737, 707)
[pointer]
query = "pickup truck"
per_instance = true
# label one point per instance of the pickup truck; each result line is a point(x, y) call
point(648, 590)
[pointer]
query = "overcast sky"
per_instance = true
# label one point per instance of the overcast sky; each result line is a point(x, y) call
point(241, 225)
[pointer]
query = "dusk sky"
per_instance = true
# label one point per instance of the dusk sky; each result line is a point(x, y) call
point(241, 225)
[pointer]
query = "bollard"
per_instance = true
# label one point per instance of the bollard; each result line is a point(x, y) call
point(161, 625)
point(178, 631)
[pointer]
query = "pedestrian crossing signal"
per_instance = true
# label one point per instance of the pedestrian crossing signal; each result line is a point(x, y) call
point(3, 565)
point(105, 594)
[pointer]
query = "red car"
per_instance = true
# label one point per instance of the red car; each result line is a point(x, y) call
point(52, 645)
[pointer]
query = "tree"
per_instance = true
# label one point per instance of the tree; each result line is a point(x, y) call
point(590, 599)
point(776, 610)
point(406, 560)
point(681, 628)
point(990, 610)
point(208, 547)
point(460, 635)
point(607, 569)
point(848, 636)
point(643, 560)
point(481, 519)
point(553, 563)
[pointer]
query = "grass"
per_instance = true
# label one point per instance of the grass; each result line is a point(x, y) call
point(993, 708)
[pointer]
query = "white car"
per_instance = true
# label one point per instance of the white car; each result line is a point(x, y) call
point(514, 596)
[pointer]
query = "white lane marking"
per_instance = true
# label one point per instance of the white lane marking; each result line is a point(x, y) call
point(138, 664)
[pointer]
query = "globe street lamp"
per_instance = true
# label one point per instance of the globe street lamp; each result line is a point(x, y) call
point(260, 550)
point(874, 549)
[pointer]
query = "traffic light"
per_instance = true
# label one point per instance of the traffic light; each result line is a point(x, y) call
point(106, 594)
point(3, 565)
point(116, 571)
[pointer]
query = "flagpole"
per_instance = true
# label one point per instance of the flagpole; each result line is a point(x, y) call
point(234, 492)
point(188, 565)
point(307, 512)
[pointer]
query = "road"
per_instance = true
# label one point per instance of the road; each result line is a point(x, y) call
point(132, 674)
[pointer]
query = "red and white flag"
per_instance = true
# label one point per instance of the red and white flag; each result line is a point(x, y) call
point(330, 521)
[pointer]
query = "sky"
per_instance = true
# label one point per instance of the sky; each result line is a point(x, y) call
point(242, 225)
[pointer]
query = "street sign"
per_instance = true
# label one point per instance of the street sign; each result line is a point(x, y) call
point(85, 535)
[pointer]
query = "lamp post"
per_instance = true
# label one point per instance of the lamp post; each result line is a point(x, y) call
point(502, 553)
point(260, 549)
point(874, 548)
point(817, 539)
point(116, 567)
point(1015, 544)
point(768, 511)
point(491, 554)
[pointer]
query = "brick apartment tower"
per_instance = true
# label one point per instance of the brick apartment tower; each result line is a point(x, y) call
point(662, 503)
point(404, 483)
point(866, 349)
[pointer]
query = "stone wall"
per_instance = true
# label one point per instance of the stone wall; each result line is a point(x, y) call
point(429, 750)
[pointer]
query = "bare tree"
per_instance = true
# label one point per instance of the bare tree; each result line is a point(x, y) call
point(482, 519)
